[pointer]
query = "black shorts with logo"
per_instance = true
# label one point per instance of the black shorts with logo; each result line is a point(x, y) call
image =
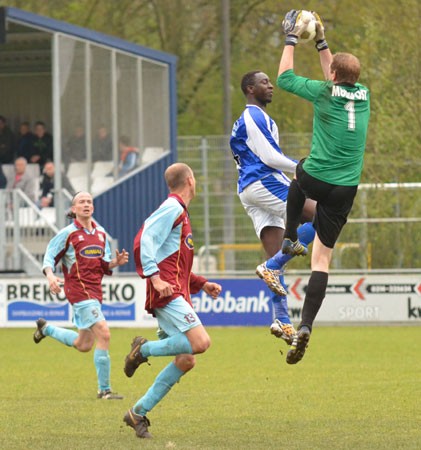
point(334, 203)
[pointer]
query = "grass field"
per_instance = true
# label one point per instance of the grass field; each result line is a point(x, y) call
point(357, 387)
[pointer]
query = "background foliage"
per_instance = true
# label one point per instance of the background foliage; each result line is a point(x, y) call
point(383, 34)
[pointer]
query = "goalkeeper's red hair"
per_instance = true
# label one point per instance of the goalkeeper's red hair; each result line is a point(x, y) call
point(347, 68)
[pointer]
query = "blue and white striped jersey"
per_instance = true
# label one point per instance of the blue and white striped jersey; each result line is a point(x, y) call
point(255, 146)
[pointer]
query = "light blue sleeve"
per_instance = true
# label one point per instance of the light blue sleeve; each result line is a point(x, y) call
point(157, 229)
point(56, 248)
point(107, 249)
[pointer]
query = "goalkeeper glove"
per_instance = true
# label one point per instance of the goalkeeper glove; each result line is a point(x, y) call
point(321, 43)
point(293, 26)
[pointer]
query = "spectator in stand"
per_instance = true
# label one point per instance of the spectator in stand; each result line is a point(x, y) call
point(7, 143)
point(76, 146)
point(43, 145)
point(102, 146)
point(47, 185)
point(3, 179)
point(23, 180)
point(25, 143)
point(128, 156)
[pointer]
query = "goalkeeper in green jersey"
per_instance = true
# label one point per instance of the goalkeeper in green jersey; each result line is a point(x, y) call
point(332, 171)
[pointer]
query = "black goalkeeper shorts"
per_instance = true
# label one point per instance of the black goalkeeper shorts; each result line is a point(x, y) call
point(334, 203)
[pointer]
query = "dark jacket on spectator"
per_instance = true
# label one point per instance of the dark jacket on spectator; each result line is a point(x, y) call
point(25, 146)
point(7, 146)
point(47, 186)
point(3, 179)
point(44, 148)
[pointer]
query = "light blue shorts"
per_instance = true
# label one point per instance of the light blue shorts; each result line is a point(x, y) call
point(87, 313)
point(178, 316)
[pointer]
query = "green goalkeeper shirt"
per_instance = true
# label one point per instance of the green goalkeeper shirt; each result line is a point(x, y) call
point(340, 122)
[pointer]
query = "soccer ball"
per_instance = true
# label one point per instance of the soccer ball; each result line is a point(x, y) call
point(310, 32)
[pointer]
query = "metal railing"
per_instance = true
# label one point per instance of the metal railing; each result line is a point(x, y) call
point(24, 234)
point(383, 230)
point(26, 230)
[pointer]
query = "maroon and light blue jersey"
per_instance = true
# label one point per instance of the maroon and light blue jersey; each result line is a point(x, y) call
point(85, 258)
point(164, 245)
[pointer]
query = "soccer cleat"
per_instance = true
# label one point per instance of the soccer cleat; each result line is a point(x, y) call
point(285, 331)
point(108, 395)
point(139, 423)
point(135, 358)
point(293, 248)
point(271, 278)
point(39, 335)
point(299, 345)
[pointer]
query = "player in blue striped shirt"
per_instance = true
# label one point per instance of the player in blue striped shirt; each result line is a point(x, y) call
point(263, 188)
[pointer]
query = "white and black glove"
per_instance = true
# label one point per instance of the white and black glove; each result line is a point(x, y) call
point(320, 39)
point(293, 26)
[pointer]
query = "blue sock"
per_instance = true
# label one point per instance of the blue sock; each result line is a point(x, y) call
point(280, 305)
point(306, 233)
point(63, 335)
point(161, 386)
point(171, 346)
point(103, 367)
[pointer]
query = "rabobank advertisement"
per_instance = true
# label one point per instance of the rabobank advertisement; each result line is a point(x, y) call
point(242, 302)
point(357, 298)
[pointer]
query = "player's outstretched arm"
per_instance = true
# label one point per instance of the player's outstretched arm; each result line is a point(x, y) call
point(292, 26)
point(322, 47)
point(287, 59)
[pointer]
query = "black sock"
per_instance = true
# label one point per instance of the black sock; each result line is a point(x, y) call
point(316, 291)
point(295, 204)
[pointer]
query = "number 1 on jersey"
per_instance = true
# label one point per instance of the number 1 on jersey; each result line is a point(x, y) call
point(350, 107)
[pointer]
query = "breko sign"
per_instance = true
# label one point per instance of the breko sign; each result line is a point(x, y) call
point(22, 301)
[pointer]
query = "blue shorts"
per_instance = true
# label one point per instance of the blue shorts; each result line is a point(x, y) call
point(87, 313)
point(177, 317)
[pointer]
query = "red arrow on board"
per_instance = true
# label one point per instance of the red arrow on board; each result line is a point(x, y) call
point(355, 288)
point(293, 289)
point(418, 288)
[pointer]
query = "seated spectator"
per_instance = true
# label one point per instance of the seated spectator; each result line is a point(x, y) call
point(76, 146)
point(26, 139)
point(102, 146)
point(47, 185)
point(22, 179)
point(3, 180)
point(128, 156)
point(43, 145)
point(7, 143)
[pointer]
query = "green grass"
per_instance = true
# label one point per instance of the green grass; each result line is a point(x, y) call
point(357, 387)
